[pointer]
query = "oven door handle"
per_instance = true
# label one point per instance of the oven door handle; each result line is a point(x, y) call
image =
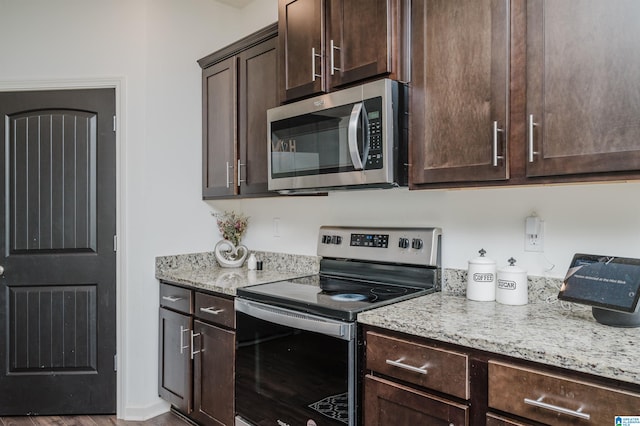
point(295, 319)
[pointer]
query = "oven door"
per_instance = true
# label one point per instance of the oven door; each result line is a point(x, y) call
point(293, 368)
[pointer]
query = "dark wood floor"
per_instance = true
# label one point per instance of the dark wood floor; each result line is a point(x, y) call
point(168, 419)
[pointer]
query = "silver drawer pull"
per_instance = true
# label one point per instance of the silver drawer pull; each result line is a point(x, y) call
point(400, 364)
point(539, 403)
point(211, 310)
point(171, 298)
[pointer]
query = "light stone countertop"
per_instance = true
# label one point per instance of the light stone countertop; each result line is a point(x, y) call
point(201, 271)
point(540, 332)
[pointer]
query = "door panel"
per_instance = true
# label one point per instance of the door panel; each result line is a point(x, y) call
point(57, 224)
point(459, 75)
point(52, 156)
point(583, 104)
point(53, 329)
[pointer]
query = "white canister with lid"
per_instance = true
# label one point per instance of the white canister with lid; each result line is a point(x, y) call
point(512, 288)
point(481, 279)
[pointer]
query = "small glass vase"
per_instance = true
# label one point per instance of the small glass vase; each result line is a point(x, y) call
point(230, 256)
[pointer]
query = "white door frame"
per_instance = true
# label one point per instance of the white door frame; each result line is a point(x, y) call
point(117, 83)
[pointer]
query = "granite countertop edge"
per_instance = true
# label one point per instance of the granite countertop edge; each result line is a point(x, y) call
point(554, 334)
point(202, 271)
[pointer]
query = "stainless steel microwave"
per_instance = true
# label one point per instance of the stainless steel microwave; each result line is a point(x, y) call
point(352, 138)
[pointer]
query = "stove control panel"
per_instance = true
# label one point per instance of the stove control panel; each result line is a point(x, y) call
point(417, 246)
point(370, 240)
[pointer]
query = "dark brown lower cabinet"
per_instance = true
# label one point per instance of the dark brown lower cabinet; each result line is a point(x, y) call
point(390, 403)
point(213, 378)
point(175, 370)
point(197, 354)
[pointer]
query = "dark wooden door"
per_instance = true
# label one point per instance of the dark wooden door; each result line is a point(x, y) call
point(220, 102)
point(459, 91)
point(175, 369)
point(363, 39)
point(214, 374)
point(302, 49)
point(583, 102)
point(57, 228)
point(389, 403)
point(258, 88)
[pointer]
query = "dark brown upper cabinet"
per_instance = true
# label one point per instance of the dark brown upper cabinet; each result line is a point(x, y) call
point(513, 92)
point(459, 91)
point(239, 84)
point(583, 98)
point(327, 44)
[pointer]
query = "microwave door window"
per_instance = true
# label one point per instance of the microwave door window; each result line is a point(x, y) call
point(311, 144)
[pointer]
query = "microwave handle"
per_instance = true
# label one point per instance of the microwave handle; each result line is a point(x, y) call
point(352, 137)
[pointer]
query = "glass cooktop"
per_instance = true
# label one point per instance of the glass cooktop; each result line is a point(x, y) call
point(328, 296)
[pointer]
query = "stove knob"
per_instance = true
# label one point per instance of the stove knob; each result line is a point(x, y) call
point(403, 243)
point(326, 239)
point(336, 239)
point(417, 244)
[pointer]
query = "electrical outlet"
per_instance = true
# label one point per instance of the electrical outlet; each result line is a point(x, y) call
point(276, 227)
point(534, 234)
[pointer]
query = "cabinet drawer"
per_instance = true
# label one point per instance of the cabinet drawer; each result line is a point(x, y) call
point(554, 399)
point(176, 298)
point(494, 420)
point(433, 368)
point(214, 309)
point(389, 403)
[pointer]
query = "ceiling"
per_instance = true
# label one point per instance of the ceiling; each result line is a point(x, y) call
point(239, 4)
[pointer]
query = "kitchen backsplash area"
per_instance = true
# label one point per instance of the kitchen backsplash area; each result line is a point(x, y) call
point(198, 265)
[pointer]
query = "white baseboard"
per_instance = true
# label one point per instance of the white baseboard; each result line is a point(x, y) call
point(145, 413)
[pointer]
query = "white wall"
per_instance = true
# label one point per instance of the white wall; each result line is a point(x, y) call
point(595, 218)
point(153, 45)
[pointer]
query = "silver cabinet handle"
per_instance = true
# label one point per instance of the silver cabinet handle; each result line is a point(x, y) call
point(333, 67)
point(496, 157)
point(313, 64)
point(240, 180)
point(171, 299)
point(229, 167)
point(182, 345)
point(193, 335)
point(539, 403)
point(532, 124)
point(398, 363)
point(211, 310)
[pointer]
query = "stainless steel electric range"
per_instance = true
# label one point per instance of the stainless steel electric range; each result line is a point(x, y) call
point(297, 357)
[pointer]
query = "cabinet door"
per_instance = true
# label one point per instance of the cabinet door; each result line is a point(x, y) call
point(389, 403)
point(363, 39)
point(258, 93)
point(459, 90)
point(219, 89)
point(300, 28)
point(583, 102)
point(175, 370)
point(214, 372)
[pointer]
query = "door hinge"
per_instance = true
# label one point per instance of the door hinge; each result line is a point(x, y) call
point(114, 123)
point(115, 243)
point(115, 362)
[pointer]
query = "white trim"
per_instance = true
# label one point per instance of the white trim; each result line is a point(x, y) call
point(119, 84)
point(146, 413)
